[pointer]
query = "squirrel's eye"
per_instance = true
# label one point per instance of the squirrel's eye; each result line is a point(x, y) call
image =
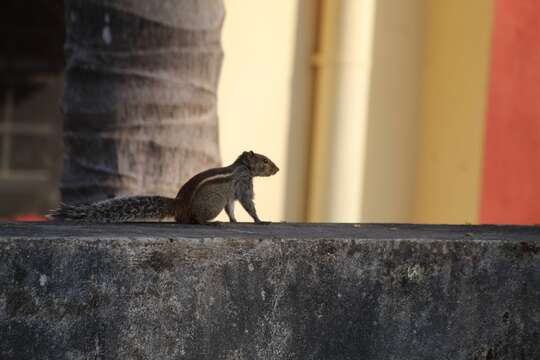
point(265, 161)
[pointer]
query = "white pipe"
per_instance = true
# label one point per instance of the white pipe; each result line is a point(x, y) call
point(349, 118)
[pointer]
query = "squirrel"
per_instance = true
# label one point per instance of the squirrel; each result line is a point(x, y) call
point(199, 200)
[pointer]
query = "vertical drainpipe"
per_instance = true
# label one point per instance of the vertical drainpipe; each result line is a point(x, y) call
point(342, 80)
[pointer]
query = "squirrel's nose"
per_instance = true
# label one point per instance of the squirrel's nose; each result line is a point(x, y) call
point(276, 169)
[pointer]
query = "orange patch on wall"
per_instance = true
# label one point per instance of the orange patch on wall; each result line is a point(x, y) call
point(511, 175)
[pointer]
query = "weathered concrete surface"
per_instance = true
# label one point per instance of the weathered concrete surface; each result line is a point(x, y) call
point(163, 291)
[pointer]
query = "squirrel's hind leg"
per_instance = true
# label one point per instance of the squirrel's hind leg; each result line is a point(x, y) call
point(229, 209)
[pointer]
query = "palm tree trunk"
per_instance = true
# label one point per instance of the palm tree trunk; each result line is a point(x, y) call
point(140, 95)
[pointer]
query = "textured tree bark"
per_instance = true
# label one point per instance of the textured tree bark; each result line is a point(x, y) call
point(140, 95)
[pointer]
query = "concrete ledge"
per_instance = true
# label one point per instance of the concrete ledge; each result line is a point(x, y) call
point(164, 291)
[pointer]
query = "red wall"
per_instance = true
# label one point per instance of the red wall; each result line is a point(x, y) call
point(511, 176)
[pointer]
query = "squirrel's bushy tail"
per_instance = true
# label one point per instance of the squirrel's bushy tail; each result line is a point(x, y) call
point(133, 208)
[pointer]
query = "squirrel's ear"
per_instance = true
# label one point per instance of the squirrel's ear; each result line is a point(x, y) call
point(251, 153)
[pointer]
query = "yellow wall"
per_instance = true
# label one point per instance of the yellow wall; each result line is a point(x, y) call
point(396, 126)
point(363, 156)
point(452, 110)
point(416, 151)
point(390, 166)
point(340, 110)
point(254, 98)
